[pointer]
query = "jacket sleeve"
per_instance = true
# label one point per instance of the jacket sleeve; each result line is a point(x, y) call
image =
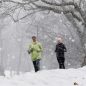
point(30, 49)
point(56, 48)
point(40, 48)
point(65, 49)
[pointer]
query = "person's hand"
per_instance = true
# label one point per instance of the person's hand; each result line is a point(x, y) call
point(38, 50)
point(31, 50)
point(28, 52)
point(65, 50)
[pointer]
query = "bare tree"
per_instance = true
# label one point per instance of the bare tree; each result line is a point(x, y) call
point(1, 51)
point(73, 10)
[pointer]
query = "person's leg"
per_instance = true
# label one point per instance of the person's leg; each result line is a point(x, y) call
point(38, 64)
point(34, 64)
point(59, 61)
point(63, 63)
point(62, 66)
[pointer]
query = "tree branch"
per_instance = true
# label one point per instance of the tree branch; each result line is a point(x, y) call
point(58, 4)
point(78, 9)
point(21, 3)
point(58, 11)
point(51, 6)
point(76, 16)
point(16, 20)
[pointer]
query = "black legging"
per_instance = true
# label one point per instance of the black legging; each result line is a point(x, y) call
point(36, 65)
point(61, 61)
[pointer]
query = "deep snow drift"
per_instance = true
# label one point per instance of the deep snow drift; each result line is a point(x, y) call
point(59, 77)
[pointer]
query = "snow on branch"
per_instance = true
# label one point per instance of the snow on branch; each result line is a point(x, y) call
point(56, 10)
point(53, 6)
point(58, 4)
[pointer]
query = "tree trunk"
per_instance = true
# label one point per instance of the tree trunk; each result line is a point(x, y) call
point(1, 58)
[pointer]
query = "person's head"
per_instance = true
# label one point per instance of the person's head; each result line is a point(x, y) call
point(34, 38)
point(59, 40)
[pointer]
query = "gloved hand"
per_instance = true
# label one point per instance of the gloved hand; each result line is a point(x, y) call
point(38, 50)
point(28, 51)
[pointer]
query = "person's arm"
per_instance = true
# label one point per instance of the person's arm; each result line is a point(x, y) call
point(65, 49)
point(56, 48)
point(30, 49)
point(40, 48)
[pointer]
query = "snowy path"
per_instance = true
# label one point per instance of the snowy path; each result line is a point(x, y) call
point(48, 78)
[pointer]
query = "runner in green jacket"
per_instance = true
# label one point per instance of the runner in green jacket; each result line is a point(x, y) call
point(35, 49)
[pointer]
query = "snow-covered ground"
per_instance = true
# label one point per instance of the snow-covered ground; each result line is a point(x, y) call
point(58, 77)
